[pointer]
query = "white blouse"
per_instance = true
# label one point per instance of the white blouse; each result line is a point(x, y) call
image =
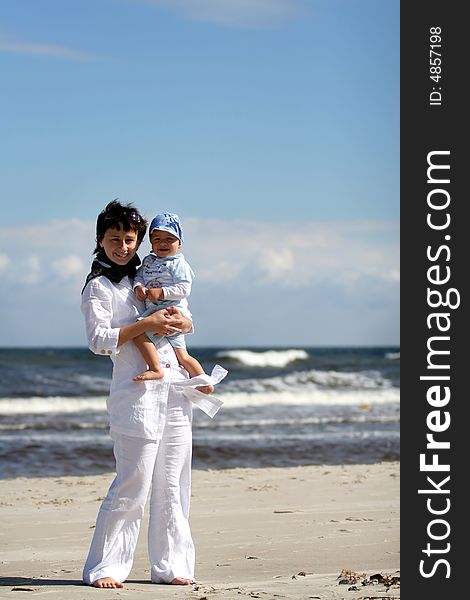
point(136, 408)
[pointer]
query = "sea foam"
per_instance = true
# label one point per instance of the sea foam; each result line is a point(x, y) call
point(269, 358)
point(50, 404)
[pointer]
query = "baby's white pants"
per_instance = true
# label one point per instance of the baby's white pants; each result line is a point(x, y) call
point(162, 467)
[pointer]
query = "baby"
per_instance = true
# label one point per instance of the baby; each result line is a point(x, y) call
point(163, 280)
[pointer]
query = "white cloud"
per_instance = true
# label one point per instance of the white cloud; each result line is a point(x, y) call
point(235, 13)
point(276, 263)
point(28, 270)
point(68, 266)
point(49, 252)
point(4, 262)
point(292, 254)
point(289, 254)
point(14, 45)
point(344, 275)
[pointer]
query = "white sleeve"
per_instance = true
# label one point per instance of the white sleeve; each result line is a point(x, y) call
point(177, 291)
point(182, 276)
point(97, 308)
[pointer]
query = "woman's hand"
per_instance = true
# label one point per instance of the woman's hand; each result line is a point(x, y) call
point(162, 322)
point(184, 324)
point(154, 294)
point(168, 321)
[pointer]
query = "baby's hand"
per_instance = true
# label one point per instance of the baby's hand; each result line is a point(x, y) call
point(154, 294)
point(141, 292)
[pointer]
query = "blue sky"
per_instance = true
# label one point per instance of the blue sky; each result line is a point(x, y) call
point(270, 126)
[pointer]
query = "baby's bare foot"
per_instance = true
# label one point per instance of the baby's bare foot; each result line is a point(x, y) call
point(107, 582)
point(205, 389)
point(149, 376)
point(181, 581)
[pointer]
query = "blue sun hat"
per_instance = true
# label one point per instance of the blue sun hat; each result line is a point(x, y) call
point(167, 222)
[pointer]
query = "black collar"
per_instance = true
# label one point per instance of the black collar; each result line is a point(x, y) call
point(103, 266)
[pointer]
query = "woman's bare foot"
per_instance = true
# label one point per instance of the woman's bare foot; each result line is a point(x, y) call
point(205, 389)
point(181, 581)
point(107, 582)
point(149, 375)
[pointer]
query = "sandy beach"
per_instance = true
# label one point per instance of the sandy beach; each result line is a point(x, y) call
point(259, 533)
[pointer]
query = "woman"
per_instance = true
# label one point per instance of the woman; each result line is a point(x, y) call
point(150, 422)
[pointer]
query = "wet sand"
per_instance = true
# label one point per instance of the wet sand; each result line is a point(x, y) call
point(260, 533)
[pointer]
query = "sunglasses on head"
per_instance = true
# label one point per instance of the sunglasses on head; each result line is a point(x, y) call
point(130, 215)
point(133, 216)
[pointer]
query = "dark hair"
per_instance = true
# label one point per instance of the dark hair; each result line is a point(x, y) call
point(119, 216)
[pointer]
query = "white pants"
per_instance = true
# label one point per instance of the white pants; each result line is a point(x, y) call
point(164, 467)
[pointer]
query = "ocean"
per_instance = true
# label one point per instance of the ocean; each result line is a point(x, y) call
point(282, 407)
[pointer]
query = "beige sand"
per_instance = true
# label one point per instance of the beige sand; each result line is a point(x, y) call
point(259, 533)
